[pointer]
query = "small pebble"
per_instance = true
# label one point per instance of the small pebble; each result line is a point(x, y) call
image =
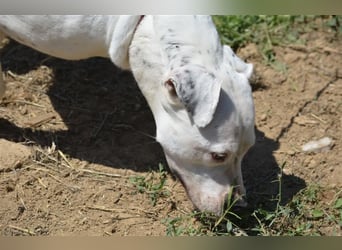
point(263, 117)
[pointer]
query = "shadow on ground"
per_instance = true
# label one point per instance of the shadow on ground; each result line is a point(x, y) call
point(107, 117)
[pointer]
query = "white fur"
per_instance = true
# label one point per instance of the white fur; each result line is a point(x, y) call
point(197, 89)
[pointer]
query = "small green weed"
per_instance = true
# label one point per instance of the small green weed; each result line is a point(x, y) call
point(304, 215)
point(152, 184)
point(335, 23)
point(183, 225)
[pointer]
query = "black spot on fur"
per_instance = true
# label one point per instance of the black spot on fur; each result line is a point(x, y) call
point(191, 84)
point(187, 71)
point(184, 61)
point(172, 46)
point(146, 63)
point(190, 110)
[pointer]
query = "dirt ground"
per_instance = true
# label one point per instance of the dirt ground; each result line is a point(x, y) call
point(75, 135)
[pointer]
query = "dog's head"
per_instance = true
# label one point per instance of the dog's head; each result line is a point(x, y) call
point(205, 126)
point(203, 107)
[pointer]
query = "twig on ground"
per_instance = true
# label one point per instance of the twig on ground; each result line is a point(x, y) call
point(70, 166)
point(40, 120)
point(42, 164)
point(41, 182)
point(99, 173)
point(23, 102)
point(72, 188)
point(15, 76)
point(129, 209)
point(65, 159)
point(23, 230)
point(318, 118)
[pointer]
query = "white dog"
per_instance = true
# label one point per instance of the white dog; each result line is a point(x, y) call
point(197, 89)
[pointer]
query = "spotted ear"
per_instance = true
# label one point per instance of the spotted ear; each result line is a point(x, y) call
point(197, 90)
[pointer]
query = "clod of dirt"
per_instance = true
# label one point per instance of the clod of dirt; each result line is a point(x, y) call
point(294, 57)
point(11, 153)
point(321, 145)
point(249, 51)
point(273, 77)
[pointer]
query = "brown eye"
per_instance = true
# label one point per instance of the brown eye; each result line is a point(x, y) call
point(219, 157)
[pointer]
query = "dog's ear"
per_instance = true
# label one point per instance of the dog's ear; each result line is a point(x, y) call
point(197, 90)
point(121, 39)
point(237, 63)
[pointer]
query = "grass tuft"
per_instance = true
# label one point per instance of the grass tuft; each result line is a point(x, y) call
point(152, 184)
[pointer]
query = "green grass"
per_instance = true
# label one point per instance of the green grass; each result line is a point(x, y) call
point(304, 215)
point(237, 31)
point(265, 31)
point(268, 31)
point(152, 184)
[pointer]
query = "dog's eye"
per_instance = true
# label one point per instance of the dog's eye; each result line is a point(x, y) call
point(219, 157)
